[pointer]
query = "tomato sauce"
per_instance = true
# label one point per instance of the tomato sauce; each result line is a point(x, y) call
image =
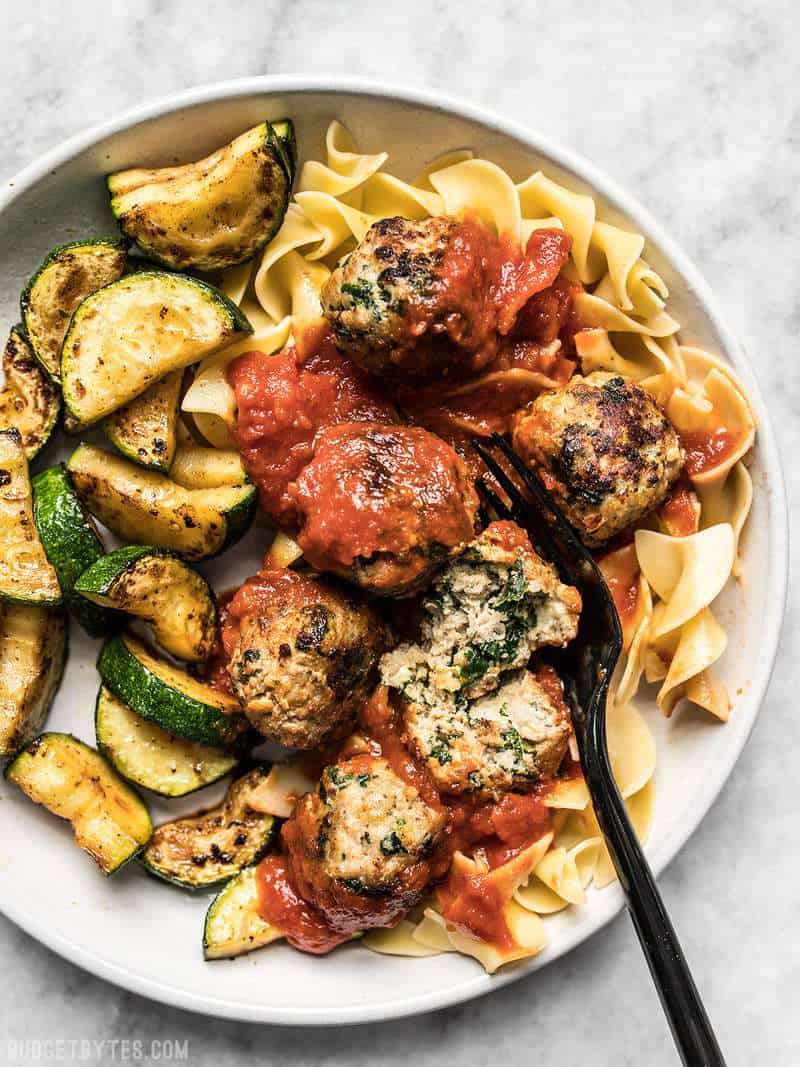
point(706, 450)
point(474, 903)
point(497, 831)
point(380, 489)
point(522, 277)
point(679, 515)
point(280, 904)
point(620, 569)
point(550, 315)
point(285, 399)
point(261, 595)
point(483, 282)
point(527, 301)
point(487, 404)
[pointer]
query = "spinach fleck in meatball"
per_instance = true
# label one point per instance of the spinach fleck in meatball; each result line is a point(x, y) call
point(505, 741)
point(418, 297)
point(489, 609)
point(603, 448)
point(302, 656)
point(482, 722)
point(358, 848)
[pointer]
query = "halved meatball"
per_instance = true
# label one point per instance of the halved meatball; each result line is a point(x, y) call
point(491, 607)
point(302, 656)
point(603, 448)
point(383, 506)
point(428, 297)
point(358, 848)
point(506, 741)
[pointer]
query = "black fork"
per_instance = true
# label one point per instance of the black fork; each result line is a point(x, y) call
point(585, 667)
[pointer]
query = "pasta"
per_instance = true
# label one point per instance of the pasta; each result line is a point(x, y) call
point(671, 634)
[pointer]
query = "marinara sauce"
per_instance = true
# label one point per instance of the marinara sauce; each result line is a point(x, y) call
point(708, 449)
point(679, 515)
point(280, 904)
point(283, 401)
point(521, 314)
point(620, 568)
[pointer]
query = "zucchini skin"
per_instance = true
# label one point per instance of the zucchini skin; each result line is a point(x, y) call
point(93, 368)
point(233, 926)
point(26, 696)
point(239, 518)
point(101, 575)
point(71, 544)
point(283, 132)
point(189, 630)
point(27, 301)
point(176, 751)
point(28, 384)
point(95, 766)
point(177, 712)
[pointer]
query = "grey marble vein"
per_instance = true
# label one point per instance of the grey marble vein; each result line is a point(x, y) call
point(695, 106)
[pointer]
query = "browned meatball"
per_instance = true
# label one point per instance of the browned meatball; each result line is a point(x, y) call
point(429, 297)
point(603, 448)
point(358, 848)
point(383, 505)
point(375, 299)
point(302, 656)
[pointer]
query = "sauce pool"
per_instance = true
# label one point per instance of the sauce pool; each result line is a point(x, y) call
point(706, 450)
point(679, 515)
point(620, 569)
point(279, 904)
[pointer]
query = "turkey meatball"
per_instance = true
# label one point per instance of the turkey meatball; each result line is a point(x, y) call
point(491, 607)
point(383, 506)
point(506, 741)
point(603, 448)
point(431, 296)
point(302, 656)
point(358, 848)
point(369, 298)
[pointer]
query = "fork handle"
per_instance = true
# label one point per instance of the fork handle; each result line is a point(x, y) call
point(680, 1000)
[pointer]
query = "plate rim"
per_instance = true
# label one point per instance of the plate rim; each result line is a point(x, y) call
point(612, 900)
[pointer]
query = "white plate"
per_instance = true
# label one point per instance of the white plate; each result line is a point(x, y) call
point(145, 936)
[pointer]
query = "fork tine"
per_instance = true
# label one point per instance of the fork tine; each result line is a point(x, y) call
point(537, 490)
point(491, 498)
point(556, 540)
point(521, 508)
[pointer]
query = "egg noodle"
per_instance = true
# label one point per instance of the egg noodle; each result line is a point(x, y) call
point(671, 635)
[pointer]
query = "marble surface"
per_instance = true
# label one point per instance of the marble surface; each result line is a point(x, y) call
point(696, 107)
